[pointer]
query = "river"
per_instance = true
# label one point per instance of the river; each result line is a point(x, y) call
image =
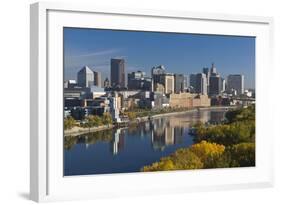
point(129, 149)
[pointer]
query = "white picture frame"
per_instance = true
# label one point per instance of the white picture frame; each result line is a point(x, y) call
point(46, 132)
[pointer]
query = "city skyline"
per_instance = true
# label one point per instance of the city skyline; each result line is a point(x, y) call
point(179, 53)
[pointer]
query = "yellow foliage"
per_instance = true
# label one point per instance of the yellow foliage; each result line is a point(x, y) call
point(205, 150)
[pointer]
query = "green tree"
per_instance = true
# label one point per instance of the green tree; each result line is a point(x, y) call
point(106, 118)
point(93, 121)
point(242, 155)
point(69, 123)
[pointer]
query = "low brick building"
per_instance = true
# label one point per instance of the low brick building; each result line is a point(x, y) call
point(189, 100)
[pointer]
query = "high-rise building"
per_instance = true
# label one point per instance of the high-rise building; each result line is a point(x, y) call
point(156, 72)
point(235, 82)
point(115, 107)
point(201, 84)
point(185, 82)
point(118, 73)
point(206, 71)
point(106, 83)
point(179, 83)
point(168, 81)
point(192, 82)
point(97, 78)
point(138, 81)
point(198, 83)
point(213, 69)
point(223, 85)
point(85, 77)
point(215, 86)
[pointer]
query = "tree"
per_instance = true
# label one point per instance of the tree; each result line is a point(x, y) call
point(165, 164)
point(209, 153)
point(186, 159)
point(69, 123)
point(93, 121)
point(106, 118)
point(242, 155)
point(131, 115)
point(198, 156)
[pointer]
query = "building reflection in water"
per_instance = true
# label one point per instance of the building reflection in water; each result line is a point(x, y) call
point(216, 117)
point(118, 141)
point(164, 131)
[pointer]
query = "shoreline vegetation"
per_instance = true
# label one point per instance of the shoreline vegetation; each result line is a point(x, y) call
point(95, 123)
point(229, 144)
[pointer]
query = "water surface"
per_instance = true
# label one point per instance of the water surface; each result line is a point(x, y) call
point(129, 149)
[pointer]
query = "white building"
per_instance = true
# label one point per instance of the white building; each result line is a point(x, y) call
point(201, 84)
point(114, 108)
point(97, 91)
point(85, 77)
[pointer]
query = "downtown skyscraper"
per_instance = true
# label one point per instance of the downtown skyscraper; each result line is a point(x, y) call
point(85, 77)
point(236, 83)
point(117, 71)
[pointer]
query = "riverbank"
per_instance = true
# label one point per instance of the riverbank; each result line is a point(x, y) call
point(80, 130)
point(146, 118)
point(230, 144)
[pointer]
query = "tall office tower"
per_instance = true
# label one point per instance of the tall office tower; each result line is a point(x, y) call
point(206, 71)
point(156, 72)
point(118, 73)
point(179, 83)
point(185, 82)
point(215, 86)
point(201, 84)
point(97, 77)
point(223, 85)
point(168, 81)
point(235, 82)
point(138, 75)
point(85, 77)
point(106, 83)
point(138, 81)
point(192, 81)
point(213, 69)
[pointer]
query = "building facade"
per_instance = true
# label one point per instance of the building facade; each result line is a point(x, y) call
point(192, 82)
point(235, 82)
point(97, 78)
point(201, 84)
point(215, 86)
point(139, 81)
point(179, 83)
point(85, 77)
point(117, 73)
point(189, 100)
point(168, 81)
point(106, 83)
point(156, 73)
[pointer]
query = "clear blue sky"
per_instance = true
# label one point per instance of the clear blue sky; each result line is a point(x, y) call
point(179, 53)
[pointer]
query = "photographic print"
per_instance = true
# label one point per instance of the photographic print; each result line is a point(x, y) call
point(142, 101)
